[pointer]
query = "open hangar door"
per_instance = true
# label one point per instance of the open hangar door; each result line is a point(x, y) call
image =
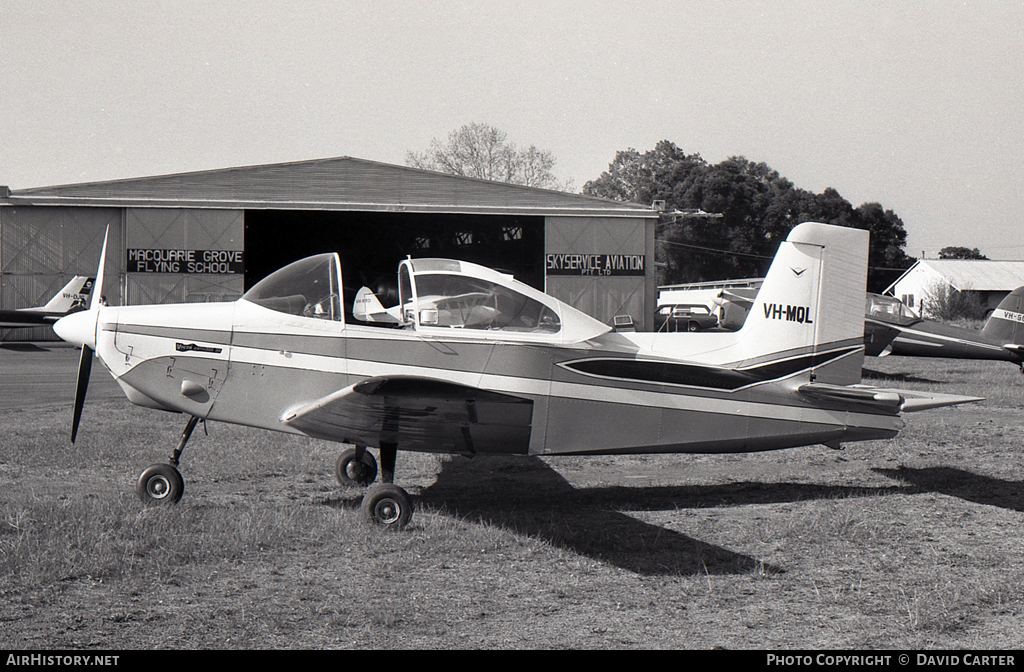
point(371, 244)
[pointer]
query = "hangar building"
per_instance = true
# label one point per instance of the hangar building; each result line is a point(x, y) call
point(209, 235)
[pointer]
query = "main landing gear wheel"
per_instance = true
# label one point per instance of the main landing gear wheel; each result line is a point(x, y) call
point(356, 469)
point(160, 484)
point(388, 506)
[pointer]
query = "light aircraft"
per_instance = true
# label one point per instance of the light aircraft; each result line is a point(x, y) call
point(73, 296)
point(889, 328)
point(474, 362)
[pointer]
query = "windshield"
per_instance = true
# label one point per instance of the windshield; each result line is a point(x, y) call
point(464, 302)
point(889, 309)
point(309, 288)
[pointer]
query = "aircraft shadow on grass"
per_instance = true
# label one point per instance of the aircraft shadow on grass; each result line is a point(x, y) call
point(900, 377)
point(530, 498)
point(962, 485)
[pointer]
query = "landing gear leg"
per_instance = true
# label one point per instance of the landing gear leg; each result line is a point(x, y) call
point(386, 504)
point(388, 457)
point(162, 483)
point(186, 434)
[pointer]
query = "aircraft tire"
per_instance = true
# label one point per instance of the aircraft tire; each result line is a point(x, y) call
point(160, 484)
point(388, 506)
point(350, 473)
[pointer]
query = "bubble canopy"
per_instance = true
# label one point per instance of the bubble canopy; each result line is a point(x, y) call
point(457, 297)
point(310, 287)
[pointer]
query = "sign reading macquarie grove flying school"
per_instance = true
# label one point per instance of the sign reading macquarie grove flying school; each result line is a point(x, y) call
point(595, 264)
point(186, 261)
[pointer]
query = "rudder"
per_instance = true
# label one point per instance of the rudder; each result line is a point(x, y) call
point(74, 293)
point(811, 302)
point(1006, 325)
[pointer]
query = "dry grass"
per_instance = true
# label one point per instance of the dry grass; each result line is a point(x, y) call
point(912, 543)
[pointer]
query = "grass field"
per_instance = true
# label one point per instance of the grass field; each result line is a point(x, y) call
point(912, 543)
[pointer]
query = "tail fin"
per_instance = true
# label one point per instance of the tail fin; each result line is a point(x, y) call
point(1006, 325)
point(811, 304)
point(368, 308)
point(73, 295)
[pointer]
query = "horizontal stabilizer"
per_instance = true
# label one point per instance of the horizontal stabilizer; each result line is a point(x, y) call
point(922, 401)
point(906, 401)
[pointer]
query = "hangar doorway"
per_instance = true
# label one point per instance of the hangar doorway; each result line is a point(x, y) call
point(371, 244)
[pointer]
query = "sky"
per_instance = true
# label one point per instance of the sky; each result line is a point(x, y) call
point(918, 106)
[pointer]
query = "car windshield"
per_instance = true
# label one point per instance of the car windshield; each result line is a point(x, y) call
point(308, 287)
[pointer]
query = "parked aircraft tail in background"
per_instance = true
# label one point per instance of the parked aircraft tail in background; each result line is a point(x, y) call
point(73, 296)
point(1006, 325)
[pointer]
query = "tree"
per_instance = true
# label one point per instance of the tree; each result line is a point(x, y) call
point(942, 302)
point(756, 209)
point(960, 253)
point(484, 152)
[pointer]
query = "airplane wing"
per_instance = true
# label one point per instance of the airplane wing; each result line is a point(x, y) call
point(1015, 348)
point(893, 401)
point(418, 413)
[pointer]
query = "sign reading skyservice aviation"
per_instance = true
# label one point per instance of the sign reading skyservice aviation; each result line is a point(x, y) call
point(595, 264)
point(186, 261)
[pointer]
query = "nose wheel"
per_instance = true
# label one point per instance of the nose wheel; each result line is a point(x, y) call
point(162, 483)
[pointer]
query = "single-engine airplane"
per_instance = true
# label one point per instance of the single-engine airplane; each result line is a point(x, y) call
point(889, 328)
point(72, 297)
point(472, 361)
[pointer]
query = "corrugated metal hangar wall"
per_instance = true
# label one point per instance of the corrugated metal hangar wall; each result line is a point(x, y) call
point(630, 292)
point(183, 229)
point(42, 248)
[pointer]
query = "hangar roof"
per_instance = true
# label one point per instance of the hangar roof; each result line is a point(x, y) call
point(972, 274)
point(343, 183)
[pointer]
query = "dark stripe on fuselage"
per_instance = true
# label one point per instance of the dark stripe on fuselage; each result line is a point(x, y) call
point(219, 336)
point(695, 375)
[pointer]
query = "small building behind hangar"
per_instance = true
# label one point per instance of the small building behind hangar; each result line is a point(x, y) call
point(989, 280)
point(209, 235)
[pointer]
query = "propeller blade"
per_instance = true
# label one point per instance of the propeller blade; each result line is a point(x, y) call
point(76, 332)
point(84, 369)
point(97, 288)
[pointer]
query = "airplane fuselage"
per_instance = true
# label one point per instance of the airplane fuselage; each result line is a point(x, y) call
point(927, 338)
point(617, 393)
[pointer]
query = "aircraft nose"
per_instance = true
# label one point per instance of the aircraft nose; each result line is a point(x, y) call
point(78, 328)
